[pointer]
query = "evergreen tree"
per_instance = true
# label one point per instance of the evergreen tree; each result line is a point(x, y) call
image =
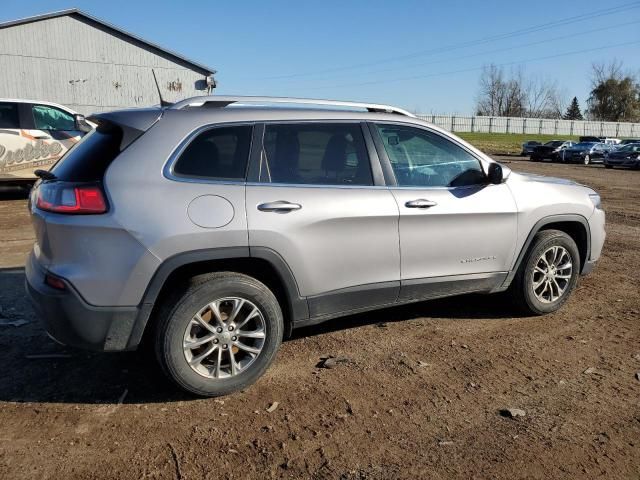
point(573, 111)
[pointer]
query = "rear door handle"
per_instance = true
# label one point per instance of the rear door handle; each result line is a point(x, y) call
point(420, 203)
point(279, 206)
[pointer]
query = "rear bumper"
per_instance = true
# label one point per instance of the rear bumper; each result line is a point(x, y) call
point(71, 321)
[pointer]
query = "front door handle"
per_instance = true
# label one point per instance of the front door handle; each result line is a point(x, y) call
point(42, 137)
point(279, 206)
point(420, 203)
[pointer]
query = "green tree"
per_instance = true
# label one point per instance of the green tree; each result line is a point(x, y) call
point(573, 111)
point(615, 96)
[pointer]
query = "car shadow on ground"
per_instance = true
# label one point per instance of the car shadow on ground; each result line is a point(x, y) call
point(11, 192)
point(36, 369)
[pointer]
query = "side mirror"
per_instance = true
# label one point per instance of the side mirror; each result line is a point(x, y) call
point(81, 123)
point(495, 174)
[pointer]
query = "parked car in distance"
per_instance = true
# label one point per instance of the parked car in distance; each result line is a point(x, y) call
point(586, 152)
point(527, 147)
point(627, 141)
point(34, 135)
point(610, 141)
point(589, 139)
point(212, 230)
point(550, 151)
point(627, 155)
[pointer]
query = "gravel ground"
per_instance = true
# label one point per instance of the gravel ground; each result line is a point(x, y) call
point(419, 394)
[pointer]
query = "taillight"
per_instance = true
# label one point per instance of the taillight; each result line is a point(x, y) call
point(54, 282)
point(68, 198)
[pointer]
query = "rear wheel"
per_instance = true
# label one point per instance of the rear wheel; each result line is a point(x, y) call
point(608, 166)
point(221, 335)
point(547, 274)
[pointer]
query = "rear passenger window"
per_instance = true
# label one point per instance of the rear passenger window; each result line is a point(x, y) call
point(219, 154)
point(9, 115)
point(322, 154)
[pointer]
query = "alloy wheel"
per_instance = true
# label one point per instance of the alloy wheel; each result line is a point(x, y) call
point(224, 337)
point(552, 274)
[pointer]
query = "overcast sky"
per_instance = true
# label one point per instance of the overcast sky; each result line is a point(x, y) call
point(421, 55)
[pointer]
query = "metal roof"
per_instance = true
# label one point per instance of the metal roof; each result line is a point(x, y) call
point(75, 12)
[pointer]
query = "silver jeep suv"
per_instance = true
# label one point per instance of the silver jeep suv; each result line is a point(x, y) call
point(215, 226)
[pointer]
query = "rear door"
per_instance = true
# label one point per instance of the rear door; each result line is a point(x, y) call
point(321, 204)
point(457, 232)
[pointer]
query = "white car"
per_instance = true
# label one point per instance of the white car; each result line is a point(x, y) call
point(34, 135)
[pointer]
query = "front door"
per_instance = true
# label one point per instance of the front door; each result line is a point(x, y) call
point(457, 232)
point(317, 206)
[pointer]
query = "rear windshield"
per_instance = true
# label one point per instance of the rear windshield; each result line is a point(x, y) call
point(89, 158)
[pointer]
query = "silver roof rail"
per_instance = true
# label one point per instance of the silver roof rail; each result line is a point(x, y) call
point(222, 101)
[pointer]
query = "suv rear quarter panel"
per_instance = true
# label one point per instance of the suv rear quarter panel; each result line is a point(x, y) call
point(155, 209)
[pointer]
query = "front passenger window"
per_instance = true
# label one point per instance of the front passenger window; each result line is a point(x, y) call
point(420, 158)
point(51, 118)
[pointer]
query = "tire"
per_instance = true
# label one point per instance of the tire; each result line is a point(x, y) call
point(522, 288)
point(178, 325)
point(608, 166)
point(587, 160)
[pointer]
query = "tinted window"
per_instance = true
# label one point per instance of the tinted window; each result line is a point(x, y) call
point(424, 159)
point(51, 118)
point(321, 154)
point(219, 153)
point(89, 158)
point(9, 115)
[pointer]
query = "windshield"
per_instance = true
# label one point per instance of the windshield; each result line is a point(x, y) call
point(584, 145)
point(554, 143)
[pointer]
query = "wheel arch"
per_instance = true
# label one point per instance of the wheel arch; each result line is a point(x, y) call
point(576, 226)
point(173, 275)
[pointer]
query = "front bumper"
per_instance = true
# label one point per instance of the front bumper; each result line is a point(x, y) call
point(623, 162)
point(71, 321)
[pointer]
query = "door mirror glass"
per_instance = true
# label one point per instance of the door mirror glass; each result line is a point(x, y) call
point(81, 123)
point(495, 174)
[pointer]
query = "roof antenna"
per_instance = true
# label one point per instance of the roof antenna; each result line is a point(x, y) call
point(163, 103)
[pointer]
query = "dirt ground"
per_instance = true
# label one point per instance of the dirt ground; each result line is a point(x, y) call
point(419, 398)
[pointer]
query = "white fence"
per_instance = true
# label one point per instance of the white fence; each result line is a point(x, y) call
point(533, 126)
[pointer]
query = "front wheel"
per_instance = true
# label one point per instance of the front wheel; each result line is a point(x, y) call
point(586, 160)
point(547, 274)
point(608, 166)
point(221, 335)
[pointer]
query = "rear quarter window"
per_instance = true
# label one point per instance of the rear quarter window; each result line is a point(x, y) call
point(219, 153)
point(88, 160)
